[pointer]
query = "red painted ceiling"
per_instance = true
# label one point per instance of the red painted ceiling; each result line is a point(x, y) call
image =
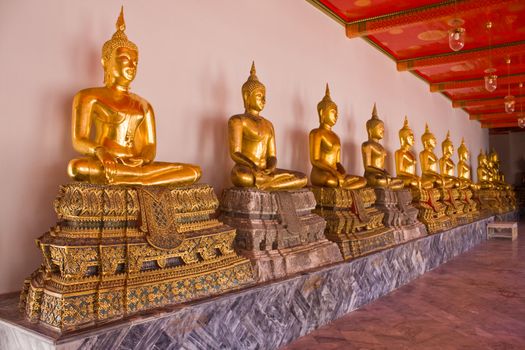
point(415, 34)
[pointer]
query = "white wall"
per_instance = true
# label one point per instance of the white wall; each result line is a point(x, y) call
point(194, 57)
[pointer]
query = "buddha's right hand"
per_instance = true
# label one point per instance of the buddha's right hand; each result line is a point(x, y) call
point(109, 162)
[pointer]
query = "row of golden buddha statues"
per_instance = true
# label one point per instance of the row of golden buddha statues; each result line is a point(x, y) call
point(134, 234)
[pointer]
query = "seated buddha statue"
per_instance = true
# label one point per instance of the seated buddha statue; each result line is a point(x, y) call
point(325, 151)
point(464, 168)
point(497, 176)
point(446, 164)
point(252, 145)
point(374, 156)
point(429, 161)
point(484, 173)
point(406, 160)
point(115, 129)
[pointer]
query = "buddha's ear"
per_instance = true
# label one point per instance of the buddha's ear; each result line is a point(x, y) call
point(245, 95)
point(102, 62)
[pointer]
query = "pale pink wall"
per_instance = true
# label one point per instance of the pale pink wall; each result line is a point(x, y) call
point(194, 57)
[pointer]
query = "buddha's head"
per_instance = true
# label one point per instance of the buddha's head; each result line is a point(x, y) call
point(463, 153)
point(406, 136)
point(375, 126)
point(119, 57)
point(447, 146)
point(253, 92)
point(428, 139)
point(494, 157)
point(327, 109)
point(482, 159)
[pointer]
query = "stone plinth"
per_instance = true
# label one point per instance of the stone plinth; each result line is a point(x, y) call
point(277, 231)
point(400, 214)
point(266, 316)
point(352, 220)
point(118, 250)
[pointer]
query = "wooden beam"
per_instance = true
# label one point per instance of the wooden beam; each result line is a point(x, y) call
point(409, 17)
point(485, 102)
point(482, 117)
point(474, 83)
point(496, 125)
point(498, 51)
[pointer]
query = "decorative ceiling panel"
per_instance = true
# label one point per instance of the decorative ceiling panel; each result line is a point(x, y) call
point(415, 34)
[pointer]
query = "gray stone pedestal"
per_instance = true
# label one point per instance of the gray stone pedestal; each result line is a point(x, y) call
point(277, 231)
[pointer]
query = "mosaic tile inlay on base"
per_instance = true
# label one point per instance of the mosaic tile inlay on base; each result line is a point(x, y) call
point(266, 316)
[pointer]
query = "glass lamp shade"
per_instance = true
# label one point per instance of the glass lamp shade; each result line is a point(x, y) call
point(510, 103)
point(491, 82)
point(456, 38)
point(521, 123)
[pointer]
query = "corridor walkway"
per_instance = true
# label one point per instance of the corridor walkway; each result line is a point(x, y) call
point(475, 301)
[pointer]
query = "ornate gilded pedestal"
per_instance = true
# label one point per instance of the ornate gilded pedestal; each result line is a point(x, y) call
point(352, 221)
point(277, 231)
point(117, 250)
point(454, 208)
point(470, 207)
point(400, 214)
point(431, 209)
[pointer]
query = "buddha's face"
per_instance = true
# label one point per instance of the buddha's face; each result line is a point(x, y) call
point(378, 131)
point(430, 143)
point(448, 150)
point(410, 139)
point(329, 116)
point(122, 66)
point(256, 100)
point(463, 156)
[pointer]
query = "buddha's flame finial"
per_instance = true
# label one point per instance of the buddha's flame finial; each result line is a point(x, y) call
point(374, 112)
point(462, 149)
point(447, 141)
point(405, 131)
point(252, 83)
point(427, 130)
point(326, 102)
point(121, 24)
point(119, 39)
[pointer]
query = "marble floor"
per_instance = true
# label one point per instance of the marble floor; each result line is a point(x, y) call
point(475, 301)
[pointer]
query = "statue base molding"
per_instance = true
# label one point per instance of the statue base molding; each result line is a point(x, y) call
point(300, 303)
point(353, 222)
point(400, 214)
point(277, 231)
point(117, 250)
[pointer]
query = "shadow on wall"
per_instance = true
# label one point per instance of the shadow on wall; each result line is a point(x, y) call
point(214, 132)
point(54, 156)
point(299, 138)
point(350, 150)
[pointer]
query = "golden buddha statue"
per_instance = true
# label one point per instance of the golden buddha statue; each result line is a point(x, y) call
point(429, 161)
point(484, 174)
point(406, 160)
point(497, 176)
point(325, 151)
point(252, 145)
point(464, 168)
point(446, 164)
point(115, 129)
point(374, 156)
